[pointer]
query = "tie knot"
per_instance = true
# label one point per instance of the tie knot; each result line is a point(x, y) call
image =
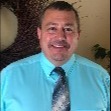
point(59, 71)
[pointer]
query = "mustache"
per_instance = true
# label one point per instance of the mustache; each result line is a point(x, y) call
point(59, 43)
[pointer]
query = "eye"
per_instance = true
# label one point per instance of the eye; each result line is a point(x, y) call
point(52, 29)
point(68, 30)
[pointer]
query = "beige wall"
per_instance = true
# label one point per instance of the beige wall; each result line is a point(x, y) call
point(95, 28)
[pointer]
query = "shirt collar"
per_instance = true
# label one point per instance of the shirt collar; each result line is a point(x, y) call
point(47, 66)
point(68, 65)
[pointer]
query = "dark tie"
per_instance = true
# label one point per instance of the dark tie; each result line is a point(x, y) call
point(60, 99)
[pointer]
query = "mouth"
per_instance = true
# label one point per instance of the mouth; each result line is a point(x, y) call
point(59, 44)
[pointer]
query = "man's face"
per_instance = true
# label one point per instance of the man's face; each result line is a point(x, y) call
point(58, 35)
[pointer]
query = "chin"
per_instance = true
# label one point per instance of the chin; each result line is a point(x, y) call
point(59, 57)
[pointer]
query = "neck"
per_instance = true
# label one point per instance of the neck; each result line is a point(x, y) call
point(58, 63)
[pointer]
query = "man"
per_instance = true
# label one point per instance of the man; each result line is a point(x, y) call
point(28, 84)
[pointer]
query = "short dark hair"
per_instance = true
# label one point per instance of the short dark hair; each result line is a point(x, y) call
point(61, 5)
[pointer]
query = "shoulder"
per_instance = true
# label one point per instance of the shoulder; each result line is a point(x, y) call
point(93, 70)
point(25, 62)
point(90, 65)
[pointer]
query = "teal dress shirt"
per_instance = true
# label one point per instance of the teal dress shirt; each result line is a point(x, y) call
point(27, 85)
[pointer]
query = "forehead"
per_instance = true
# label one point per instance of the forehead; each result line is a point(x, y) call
point(53, 15)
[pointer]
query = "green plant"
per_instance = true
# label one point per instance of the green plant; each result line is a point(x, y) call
point(101, 53)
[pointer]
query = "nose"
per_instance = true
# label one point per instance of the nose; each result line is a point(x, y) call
point(61, 34)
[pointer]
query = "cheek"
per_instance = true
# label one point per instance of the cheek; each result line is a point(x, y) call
point(48, 37)
point(44, 39)
point(73, 42)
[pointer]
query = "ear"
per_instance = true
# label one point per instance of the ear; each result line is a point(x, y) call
point(39, 32)
point(78, 36)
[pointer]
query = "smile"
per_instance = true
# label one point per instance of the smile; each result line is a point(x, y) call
point(58, 46)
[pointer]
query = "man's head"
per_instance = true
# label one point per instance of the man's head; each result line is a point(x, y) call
point(59, 32)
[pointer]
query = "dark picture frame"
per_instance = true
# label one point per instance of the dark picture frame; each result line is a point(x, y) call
point(26, 42)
